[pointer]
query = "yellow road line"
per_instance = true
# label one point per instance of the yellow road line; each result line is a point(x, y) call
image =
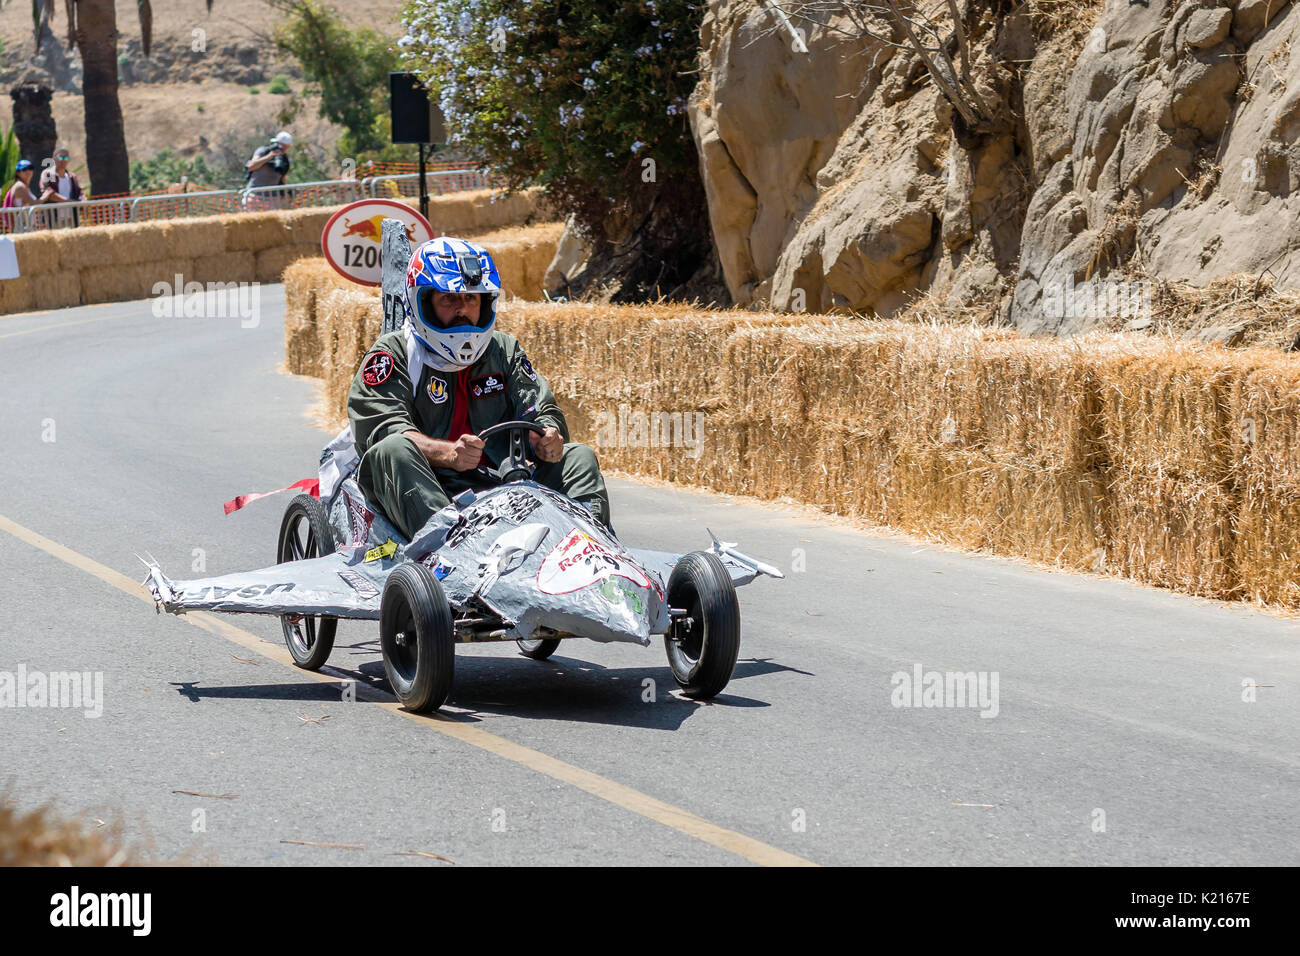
point(616, 793)
point(58, 325)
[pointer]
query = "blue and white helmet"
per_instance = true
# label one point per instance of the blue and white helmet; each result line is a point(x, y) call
point(445, 264)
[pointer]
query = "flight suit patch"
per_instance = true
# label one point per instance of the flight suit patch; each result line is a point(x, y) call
point(379, 366)
point(486, 385)
point(437, 390)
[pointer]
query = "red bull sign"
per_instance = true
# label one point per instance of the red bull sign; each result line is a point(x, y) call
point(352, 238)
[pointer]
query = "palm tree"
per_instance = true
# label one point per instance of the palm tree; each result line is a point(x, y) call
point(92, 28)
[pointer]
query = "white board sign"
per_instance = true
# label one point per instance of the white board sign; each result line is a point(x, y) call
point(352, 239)
point(8, 258)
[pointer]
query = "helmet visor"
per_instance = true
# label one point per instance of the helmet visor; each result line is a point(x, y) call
point(424, 299)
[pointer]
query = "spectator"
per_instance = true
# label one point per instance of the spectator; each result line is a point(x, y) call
point(269, 167)
point(58, 185)
point(20, 193)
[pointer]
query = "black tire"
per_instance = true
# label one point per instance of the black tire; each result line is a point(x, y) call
point(539, 650)
point(705, 656)
point(305, 533)
point(417, 638)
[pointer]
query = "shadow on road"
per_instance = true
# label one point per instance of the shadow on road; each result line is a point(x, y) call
point(564, 688)
point(194, 691)
point(561, 688)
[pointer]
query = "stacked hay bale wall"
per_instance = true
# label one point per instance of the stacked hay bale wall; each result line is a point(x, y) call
point(68, 267)
point(1171, 462)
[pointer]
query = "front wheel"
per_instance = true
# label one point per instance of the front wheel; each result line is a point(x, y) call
point(417, 638)
point(703, 644)
point(305, 533)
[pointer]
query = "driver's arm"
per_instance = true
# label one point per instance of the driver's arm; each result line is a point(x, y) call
point(460, 455)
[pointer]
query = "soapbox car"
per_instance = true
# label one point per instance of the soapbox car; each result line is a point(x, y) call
point(514, 561)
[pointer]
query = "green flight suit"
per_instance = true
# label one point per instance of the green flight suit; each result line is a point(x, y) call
point(396, 478)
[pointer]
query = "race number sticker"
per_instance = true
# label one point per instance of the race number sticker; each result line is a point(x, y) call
point(580, 561)
point(377, 368)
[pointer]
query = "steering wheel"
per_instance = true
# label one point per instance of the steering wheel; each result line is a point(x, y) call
point(515, 466)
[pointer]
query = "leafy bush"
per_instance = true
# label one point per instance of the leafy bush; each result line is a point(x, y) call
point(575, 96)
point(254, 90)
point(166, 169)
point(279, 85)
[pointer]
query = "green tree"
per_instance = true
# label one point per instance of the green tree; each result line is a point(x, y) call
point(347, 68)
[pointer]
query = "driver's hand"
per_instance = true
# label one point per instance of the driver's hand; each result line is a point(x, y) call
point(548, 446)
point(468, 450)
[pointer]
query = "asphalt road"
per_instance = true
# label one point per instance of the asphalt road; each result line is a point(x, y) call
point(1119, 734)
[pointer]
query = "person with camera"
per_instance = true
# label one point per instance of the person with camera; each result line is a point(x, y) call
point(269, 167)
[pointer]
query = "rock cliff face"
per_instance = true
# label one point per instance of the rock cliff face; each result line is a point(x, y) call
point(1125, 139)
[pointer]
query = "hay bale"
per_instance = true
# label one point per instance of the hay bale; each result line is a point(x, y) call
point(254, 231)
point(38, 253)
point(271, 263)
point(114, 283)
point(128, 244)
point(225, 267)
point(1172, 532)
point(1164, 407)
point(57, 291)
point(193, 238)
point(79, 248)
point(522, 254)
point(20, 294)
point(306, 225)
point(479, 211)
point(354, 320)
point(1267, 549)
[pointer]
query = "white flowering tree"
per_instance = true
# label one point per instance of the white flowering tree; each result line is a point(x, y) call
point(586, 98)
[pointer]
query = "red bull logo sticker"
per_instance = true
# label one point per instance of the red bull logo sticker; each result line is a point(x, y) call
point(580, 561)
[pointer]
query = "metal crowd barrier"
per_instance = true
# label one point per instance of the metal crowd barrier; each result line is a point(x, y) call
point(334, 192)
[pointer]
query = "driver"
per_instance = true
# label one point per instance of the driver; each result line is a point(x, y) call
point(424, 391)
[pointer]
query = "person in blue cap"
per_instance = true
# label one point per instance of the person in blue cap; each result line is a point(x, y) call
point(20, 193)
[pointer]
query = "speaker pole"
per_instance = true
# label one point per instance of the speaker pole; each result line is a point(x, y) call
point(424, 188)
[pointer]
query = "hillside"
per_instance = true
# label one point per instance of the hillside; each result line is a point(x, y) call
point(192, 102)
point(1115, 141)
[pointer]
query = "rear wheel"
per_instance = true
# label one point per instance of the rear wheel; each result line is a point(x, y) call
point(305, 533)
point(539, 650)
point(417, 638)
point(703, 644)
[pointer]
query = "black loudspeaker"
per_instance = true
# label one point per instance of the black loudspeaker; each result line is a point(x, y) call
point(415, 119)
